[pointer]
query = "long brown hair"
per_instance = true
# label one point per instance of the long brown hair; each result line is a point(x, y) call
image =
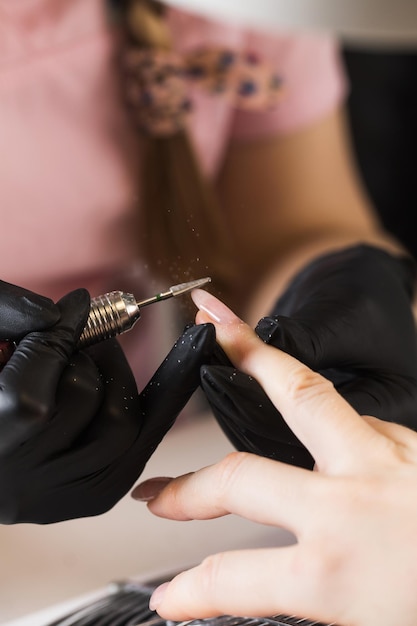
point(182, 229)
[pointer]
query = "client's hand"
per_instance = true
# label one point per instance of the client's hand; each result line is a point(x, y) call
point(346, 315)
point(355, 518)
point(74, 433)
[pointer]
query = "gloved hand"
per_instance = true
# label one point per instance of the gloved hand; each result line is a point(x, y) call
point(75, 434)
point(346, 315)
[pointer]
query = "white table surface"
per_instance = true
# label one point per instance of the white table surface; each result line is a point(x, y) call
point(45, 566)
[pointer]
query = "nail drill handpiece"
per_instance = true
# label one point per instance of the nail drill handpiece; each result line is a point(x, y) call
point(116, 312)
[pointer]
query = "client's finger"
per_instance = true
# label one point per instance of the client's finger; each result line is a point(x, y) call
point(224, 584)
point(241, 484)
point(323, 421)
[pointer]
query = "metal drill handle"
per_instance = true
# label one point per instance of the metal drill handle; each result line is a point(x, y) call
point(110, 314)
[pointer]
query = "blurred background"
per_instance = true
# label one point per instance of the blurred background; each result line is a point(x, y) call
point(379, 41)
point(369, 20)
point(383, 116)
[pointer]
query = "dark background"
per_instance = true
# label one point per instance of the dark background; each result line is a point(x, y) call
point(383, 116)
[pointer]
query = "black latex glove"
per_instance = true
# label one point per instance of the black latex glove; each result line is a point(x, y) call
point(80, 435)
point(346, 315)
point(21, 311)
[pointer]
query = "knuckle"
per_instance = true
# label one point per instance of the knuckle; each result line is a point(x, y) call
point(319, 565)
point(305, 384)
point(325, 565)
point(229, 472)
point(210, 572)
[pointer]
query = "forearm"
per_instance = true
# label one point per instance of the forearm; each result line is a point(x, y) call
point(290, 199)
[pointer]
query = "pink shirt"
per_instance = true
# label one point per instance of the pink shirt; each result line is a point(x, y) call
point(68, 152)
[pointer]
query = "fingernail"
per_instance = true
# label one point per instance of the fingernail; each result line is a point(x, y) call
point(149, 489)
point(157, 596)
point(216, 309)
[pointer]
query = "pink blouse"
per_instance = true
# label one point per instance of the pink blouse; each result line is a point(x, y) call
point(68, 157)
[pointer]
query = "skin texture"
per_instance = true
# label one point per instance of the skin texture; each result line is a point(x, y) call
point(354, 517)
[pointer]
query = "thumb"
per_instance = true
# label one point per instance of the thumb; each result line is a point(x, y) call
point(22, 311)
point(29, 380)
point(293, 337)
point(320, 344)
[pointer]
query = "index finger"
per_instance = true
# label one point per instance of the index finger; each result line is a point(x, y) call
point(323, 421)
point(23, 311)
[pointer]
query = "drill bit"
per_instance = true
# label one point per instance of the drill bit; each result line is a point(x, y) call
point(175, 290)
